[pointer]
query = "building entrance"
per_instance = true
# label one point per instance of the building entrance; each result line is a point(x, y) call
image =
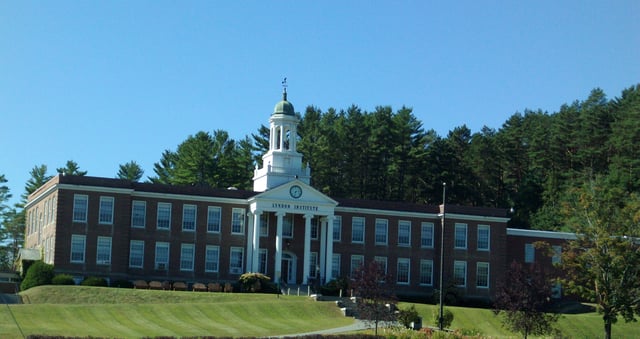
point(288, 268)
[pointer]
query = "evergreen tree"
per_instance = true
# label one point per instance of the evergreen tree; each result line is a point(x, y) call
point(71, 168)
point(38, 178)
point(130, 171)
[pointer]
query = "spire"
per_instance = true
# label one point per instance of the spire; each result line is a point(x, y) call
point(284, 89)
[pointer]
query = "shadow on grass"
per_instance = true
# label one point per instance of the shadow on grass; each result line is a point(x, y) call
point(573, 307)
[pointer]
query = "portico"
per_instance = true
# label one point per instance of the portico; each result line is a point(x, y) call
point(287, 201)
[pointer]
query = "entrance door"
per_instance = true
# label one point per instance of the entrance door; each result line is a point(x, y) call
point(288, 274)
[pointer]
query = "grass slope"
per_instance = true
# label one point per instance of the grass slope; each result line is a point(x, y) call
point(128, 313)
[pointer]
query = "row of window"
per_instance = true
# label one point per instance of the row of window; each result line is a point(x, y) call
point(39, 218)
point(403, 271)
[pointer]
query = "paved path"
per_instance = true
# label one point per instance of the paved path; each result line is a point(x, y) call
point(356, 326)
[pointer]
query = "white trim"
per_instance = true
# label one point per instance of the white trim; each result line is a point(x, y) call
point(419, 215)
point(541, 234)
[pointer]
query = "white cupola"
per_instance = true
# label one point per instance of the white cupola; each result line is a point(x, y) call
point(282, 163)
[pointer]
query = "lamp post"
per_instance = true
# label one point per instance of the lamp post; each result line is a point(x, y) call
point(441, 215)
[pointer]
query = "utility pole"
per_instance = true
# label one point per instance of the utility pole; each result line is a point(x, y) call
point(441, 215)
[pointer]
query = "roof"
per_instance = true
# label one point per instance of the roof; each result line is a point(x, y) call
point(284, 107)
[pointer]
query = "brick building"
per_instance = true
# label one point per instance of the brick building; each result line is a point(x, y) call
point(118, 229)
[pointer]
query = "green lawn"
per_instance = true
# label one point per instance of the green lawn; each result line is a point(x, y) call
point(128, 313)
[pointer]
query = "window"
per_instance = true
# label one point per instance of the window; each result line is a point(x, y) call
point(381, 231)
point(426, 235)
point(335, 265)
point(105, 214)
point(460, 273)
point(357, 230)
point(189, 217)
point(212, 258)
point(287, 227)
point(313, 264)
point(136, 253)
point(403, 270)
point(529, 253)
point(426, 272)
point(164, 215)
point(80, 204)
point(103, 251)
point(382, 261)
point(314, 229)
point(482, 275)
point(483, 237)
point(264, 225)
point(262, 256)
point(187, 253)
point(78, 244)
point(557, 254)
point(162, 256)
point(138, 213)
point(214, 214)
point(337, 228)
point(461, 236)
point(356, 262)
point(236, 260)
point(404, 233)
point(237, 221)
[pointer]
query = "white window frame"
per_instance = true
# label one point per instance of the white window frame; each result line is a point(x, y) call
point(357, 222)
point(315, 228)
point(400, 273)
point(264, 225)
point(187, 256)
point(482, 238)
point(460, 266)
point(460, 236)
point(313, 264)
point(287, 226)
point(189, 217)
point(426, 272)
point(164, 207)
point(80, 207)
point(137, 220)
point(136, 247)
point(426, 238)
point(335, 265)
point(404, 226)
point(337, 228)
point(103, 250)
point(212, 259)
point(529, 253)
point(263, 259)
point(214, 219)
point(381, 231)
point(78, 248)
point(482, 271)
point(162, 259)
point(236, 267)
point(237, 221)
point(105, 212)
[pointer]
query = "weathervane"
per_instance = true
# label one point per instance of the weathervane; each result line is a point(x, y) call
point(284, 89)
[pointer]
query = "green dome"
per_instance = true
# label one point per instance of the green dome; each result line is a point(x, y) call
point(284, 107)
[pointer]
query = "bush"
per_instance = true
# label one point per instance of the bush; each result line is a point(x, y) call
point(122, 284)
point(256, 282)
point(334, 286)
point(94, 281)
point(408, 316)
point(63, 279)
point(447, 319)
point(38, 274)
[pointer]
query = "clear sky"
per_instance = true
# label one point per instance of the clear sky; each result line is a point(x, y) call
point(106, 82)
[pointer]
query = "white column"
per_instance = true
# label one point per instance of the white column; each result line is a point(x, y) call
point(278, 263)
point(307, 248)
point(249, 256)
point(329, 256)
point(323, 245)
point(256, 241)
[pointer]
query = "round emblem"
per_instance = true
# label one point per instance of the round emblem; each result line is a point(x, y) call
point(295, 191)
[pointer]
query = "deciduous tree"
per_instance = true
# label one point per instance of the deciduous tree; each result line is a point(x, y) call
point(373, 291)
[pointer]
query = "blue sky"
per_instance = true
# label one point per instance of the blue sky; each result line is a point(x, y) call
point(106, 82)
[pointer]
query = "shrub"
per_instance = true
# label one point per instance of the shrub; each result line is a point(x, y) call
point(447, 319)
point(94, 281)
point(122, 284)
point(256, 282)
point(38, 274)
point(334, 286)
point(63, 279)
point(408, 316)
